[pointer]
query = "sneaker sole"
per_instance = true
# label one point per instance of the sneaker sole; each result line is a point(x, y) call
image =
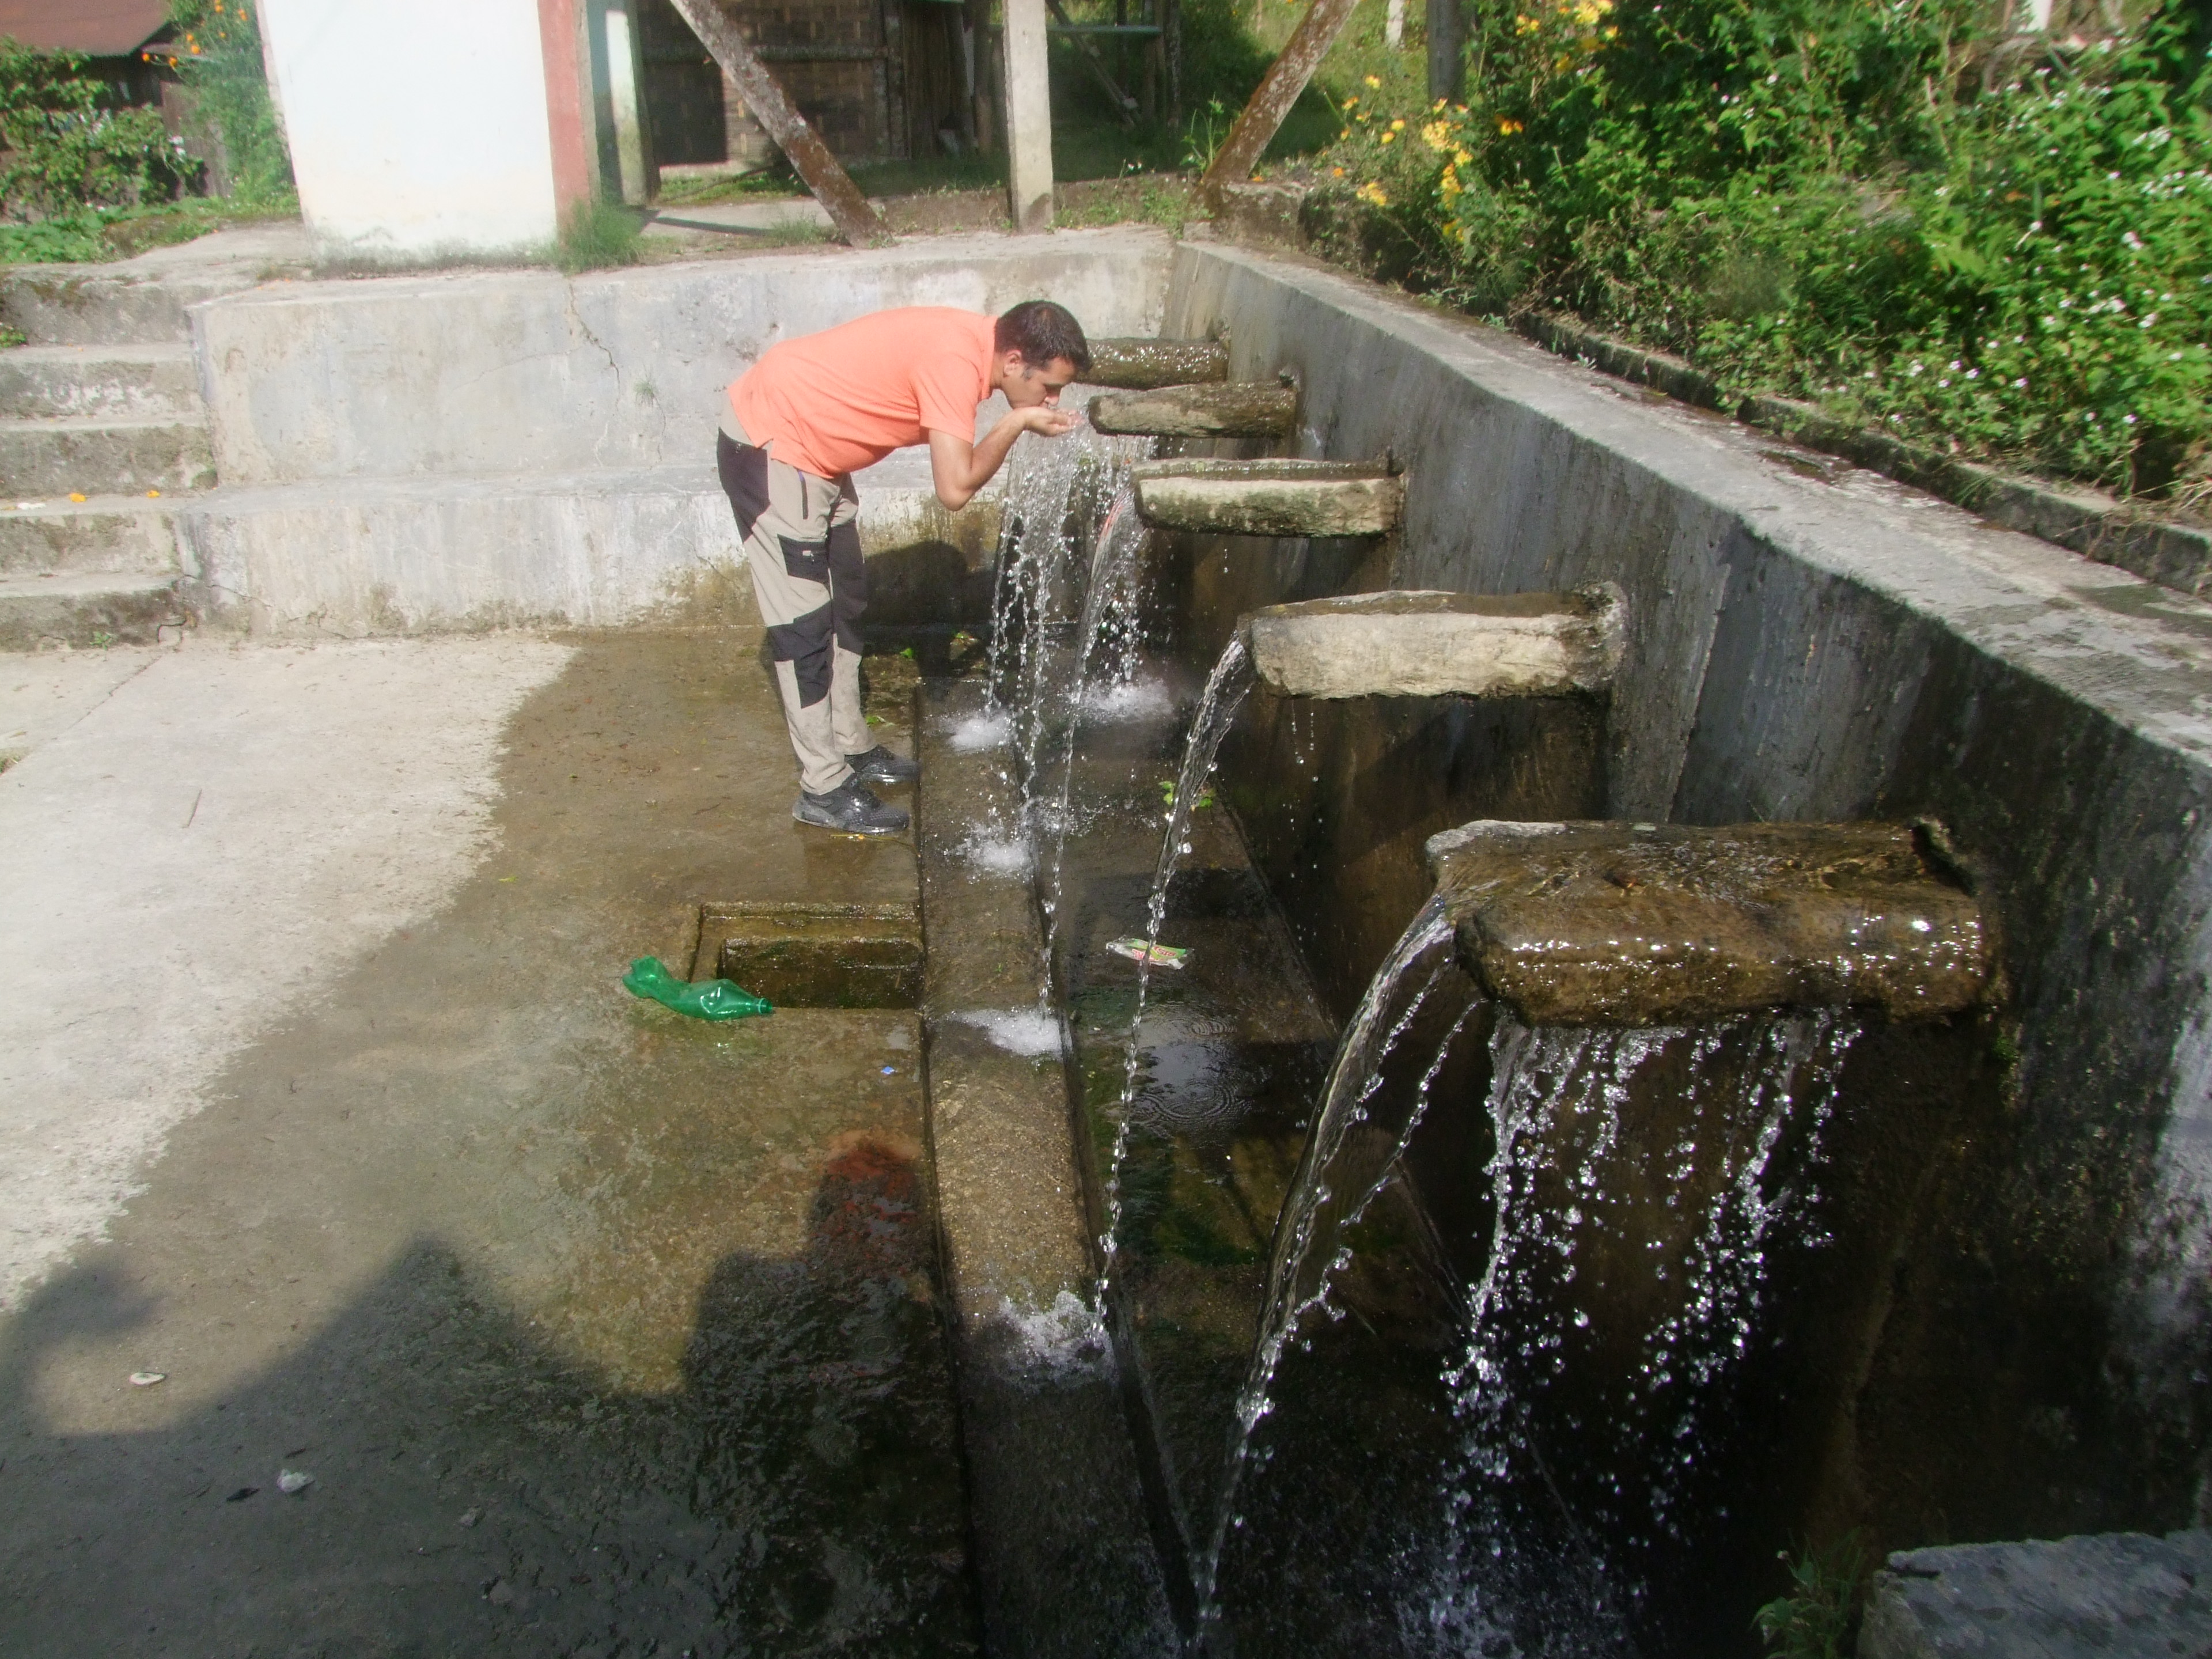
point(847, 829)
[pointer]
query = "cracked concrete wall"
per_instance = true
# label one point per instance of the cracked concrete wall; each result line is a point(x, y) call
point(533, 372)
point(1810, 642)
point(449, 453)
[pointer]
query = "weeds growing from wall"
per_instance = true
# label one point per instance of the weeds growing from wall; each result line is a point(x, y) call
point(1883, 208)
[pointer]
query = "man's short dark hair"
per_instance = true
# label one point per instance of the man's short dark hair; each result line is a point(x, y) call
point(1041, 331)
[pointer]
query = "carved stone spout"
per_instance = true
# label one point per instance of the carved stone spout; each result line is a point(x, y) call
point(1270, 498)
point(1242, 408)
point(1422, 644)
point(1638, 924)
point(1141, 365)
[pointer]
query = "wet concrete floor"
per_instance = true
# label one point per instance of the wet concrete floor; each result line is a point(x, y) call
point(600, 1331)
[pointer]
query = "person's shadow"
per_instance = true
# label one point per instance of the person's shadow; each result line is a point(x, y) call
point(473, 1494)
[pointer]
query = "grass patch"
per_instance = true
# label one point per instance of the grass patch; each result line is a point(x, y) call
point(598, 236)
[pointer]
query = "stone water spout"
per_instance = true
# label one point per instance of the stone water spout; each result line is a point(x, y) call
point(1239, 409)
point(1610, 924)
point(1271, 498)
point(1428, 644)
point(1141, 365)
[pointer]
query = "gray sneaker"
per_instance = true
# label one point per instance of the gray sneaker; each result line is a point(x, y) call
point(849, 809)
point(880, 765)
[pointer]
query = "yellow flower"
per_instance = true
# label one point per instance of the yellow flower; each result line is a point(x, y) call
point(1371, 191)
point(1351, 97)
point(1373, 80)
point(1398, 126)
point(1507, 128)
point(1336, 172)
point(1388, 137)
point(76, 496)
point(1461, 157)
point(1437, 136)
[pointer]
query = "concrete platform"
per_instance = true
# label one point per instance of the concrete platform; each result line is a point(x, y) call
point(320, 1098)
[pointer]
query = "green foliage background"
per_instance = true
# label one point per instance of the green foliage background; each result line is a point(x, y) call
point(1991, 247)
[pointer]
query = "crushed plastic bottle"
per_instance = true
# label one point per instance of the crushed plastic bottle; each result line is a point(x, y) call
point(705, 998)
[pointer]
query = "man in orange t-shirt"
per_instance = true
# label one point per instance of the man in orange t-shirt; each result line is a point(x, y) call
point(800, 422)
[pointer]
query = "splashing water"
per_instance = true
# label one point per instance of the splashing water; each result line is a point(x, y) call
point(1226, 689)
point(1298, 1276)
point(1572, 1113)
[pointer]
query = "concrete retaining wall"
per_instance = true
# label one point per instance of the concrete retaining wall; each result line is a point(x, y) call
point(444, 452)
point(2031, 1355)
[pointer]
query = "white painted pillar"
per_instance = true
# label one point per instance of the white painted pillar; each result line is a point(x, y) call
point(402, 150)
point(1028, 116)
point(625, 65)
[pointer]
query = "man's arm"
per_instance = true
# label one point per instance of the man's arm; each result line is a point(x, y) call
point(959, 468)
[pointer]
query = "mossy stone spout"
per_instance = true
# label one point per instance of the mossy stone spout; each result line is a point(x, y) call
point(1270, 498)
point(1635, 923)
point(1240, 410)
point(1429, 644)
point(1139, 365)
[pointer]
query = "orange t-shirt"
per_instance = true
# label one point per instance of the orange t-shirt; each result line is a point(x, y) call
point(842, 399)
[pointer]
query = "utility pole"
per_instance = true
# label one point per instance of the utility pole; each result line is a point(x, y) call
point(1028, 116)
point(1444, 43)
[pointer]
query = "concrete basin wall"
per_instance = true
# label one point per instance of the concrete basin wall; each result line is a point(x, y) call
point(2015, 1342)
point(427, 453)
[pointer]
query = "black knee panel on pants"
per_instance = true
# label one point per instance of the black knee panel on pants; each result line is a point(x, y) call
point(805, 644)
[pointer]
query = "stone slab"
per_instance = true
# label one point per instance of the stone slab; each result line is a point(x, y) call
point(1270, 498)
point(2110, 1596)
point(1244, 410)
point(1643, 924)
point(1415, 644)
point(1138, 365)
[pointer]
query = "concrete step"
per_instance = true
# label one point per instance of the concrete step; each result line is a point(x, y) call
point(112, 305)
point(88, 609)
point(100, 534)
point(445, 553)
point(81, 457)
point(112, 382)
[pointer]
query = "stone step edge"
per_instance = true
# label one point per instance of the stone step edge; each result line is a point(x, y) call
point(2085, 521)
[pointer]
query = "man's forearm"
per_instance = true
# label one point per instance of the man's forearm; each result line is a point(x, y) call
point(959, 475)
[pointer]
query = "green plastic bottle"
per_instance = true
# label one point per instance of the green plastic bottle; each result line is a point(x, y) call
point(708, 999)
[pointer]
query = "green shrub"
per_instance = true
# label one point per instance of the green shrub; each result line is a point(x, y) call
point(1813, 1620)
point(66, 149)
point(217, 53)
point(1869, 206)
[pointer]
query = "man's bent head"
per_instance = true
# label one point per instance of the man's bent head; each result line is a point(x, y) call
point(1040, 348)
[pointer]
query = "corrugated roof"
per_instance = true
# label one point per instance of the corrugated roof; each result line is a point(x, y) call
point(98, 29)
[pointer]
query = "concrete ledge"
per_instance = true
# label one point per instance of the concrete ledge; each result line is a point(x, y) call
point(362, 556)
point(492, 373)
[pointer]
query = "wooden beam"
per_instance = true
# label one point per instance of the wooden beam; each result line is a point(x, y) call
point(856, 220)
point(1278, 90)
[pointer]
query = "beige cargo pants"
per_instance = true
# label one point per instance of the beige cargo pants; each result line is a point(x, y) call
point(803, 546)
